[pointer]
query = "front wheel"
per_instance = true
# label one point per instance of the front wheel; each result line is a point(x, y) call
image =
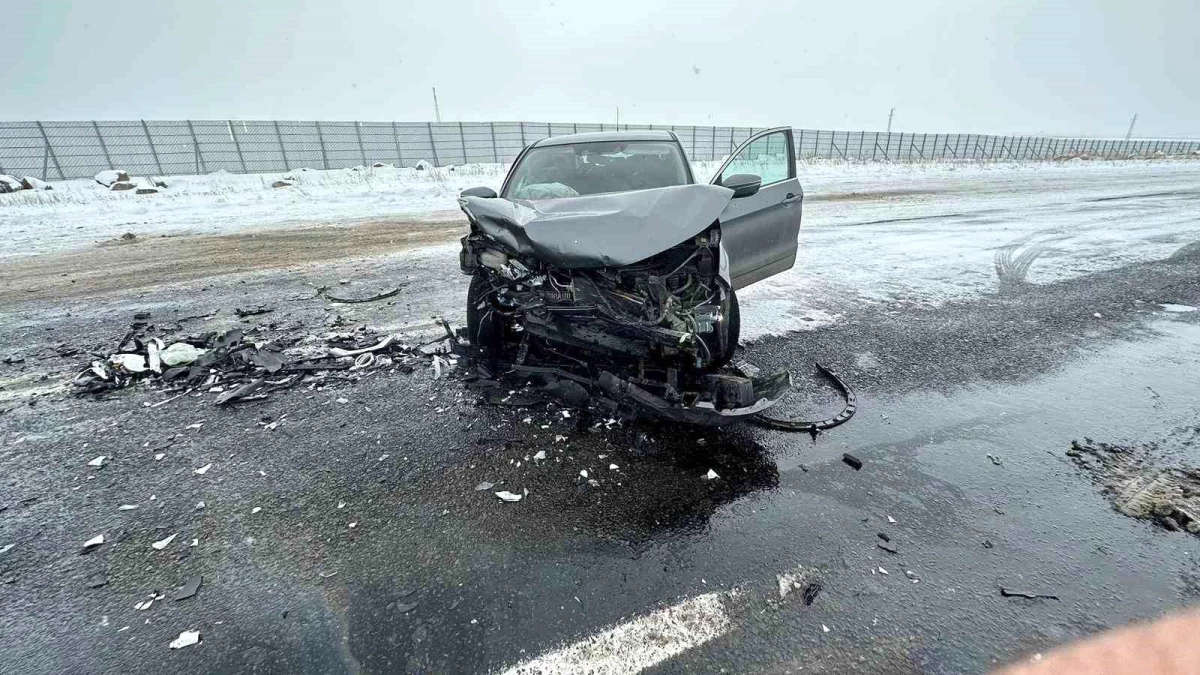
point(733, 333)
point(483, 326)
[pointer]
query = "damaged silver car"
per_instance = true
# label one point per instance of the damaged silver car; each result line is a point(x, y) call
point(602, 265)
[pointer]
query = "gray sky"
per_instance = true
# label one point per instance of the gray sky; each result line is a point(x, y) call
point(998, 66)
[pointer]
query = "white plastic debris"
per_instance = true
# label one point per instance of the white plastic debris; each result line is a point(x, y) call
point(527, 420)
point(127, 507)
point(824, 628)
point(437, 367)
point(566, 414)
point(540, 454)
point(153, 354)
point(99, 461)
point(711, 475)
point(882, 571)
point(353, 525)
point(186, 639)
point(204, 469)
point(891, 519)
point(1098, 315)
point(342, 505)
point(180, 354)
point(94, 541)
point(163, 543)
point(343, 400)
point(199, 505)
point(134, 363)
point(143, 606)
point(195, 542)
point(559, 438)
point(159, 455)
point(507, 496)
point(6, 548)
point(613, 467)
point(583, 473)
point(255, 510)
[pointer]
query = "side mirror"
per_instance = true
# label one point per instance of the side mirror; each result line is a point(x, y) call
point(742, 184)
point(485, 192)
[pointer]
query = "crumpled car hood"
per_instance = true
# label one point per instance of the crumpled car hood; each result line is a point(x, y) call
point(609, 230)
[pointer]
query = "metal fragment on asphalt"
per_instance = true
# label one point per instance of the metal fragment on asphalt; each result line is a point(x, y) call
point(186, 639)
point(163, 543)
point(189, 588)
point(507, 496)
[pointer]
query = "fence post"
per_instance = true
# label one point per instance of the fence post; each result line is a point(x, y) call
point(713, 148)
point(153, 151)
point(495, 152)
point(50, 149)
point(45, 158)
point(693, 143)
point(432, 144)
point(731, 140)
point(195, 147)
point(103, 145)
point(237, 144)
point(321, 140)
point(522, 126)
point(282, 150)
point(358, 133)
point(462, 142)
point(396, 139)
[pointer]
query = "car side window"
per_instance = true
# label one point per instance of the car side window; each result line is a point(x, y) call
point(766, 157)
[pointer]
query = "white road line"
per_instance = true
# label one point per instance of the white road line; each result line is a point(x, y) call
point(639, 643)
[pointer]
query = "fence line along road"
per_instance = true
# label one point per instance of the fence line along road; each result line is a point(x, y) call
point(81, 149)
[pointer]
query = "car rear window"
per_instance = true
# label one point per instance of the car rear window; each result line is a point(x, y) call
point(558, 171)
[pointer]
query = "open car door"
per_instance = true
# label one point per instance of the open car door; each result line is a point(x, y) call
point(759, 231)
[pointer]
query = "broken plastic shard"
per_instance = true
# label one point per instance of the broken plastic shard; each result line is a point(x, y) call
point(180, 354)
point(186, 639)
point(891, 519)
point(342, 505)
point(99, 461)
point(711, 475)
point(613, 467)
point(382, 344)
point(143, 606)
point(163, 543)
point(255, 509)
point(204, 469)
point(6, 548)
point(540, 454)
point(93, 542)
point(882, 571)
point(199, 505)
point(507, 496)
point(405, 607)
point(127, 507)
point(189, 588)
point(583, 473)
point(824, 628)
point(482, 486)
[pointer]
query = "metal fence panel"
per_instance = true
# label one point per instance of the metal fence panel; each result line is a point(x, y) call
point(76, 149)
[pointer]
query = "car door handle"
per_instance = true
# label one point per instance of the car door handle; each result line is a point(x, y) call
point(791, 198)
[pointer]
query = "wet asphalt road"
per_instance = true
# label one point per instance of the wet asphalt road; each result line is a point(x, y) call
point(294, 587)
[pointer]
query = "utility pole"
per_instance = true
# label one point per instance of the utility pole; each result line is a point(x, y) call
point(437, 113)
point(1131, 123)
point(890, 113)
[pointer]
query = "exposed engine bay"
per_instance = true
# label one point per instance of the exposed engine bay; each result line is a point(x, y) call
point(649, 334)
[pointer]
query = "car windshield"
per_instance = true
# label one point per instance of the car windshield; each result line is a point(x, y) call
point(558, 171)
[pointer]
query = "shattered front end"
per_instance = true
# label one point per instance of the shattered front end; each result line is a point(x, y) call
point(584, 293)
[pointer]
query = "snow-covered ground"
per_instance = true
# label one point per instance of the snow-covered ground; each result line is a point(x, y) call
point(904, 234)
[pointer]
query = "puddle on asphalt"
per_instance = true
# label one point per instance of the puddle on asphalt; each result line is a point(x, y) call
point(1133, 391)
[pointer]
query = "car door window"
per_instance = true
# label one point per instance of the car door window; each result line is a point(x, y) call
point(765, 157)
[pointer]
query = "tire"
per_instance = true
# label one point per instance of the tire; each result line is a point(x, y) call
point(733, 333)
point(483, 329)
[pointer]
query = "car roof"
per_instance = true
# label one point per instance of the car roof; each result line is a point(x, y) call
point(608, 137)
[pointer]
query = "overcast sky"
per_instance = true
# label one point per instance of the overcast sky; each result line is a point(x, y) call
point(998, 66)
